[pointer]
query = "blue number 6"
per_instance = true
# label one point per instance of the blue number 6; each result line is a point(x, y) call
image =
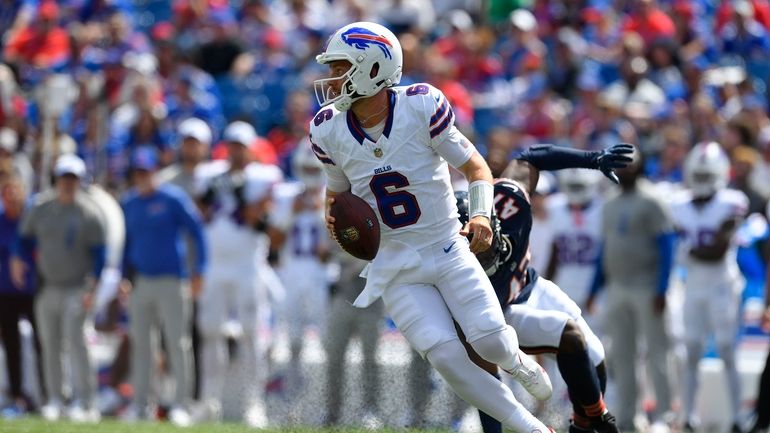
point(398, 208)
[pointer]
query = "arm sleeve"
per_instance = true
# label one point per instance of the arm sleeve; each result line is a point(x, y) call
point(598, 282)
point(546, 157)
point(23, 247)
point(455, 149)
point(662, 229)
point(335, 178)
point(96, 237)
point(193, 224)
point(24, 244)
point(98, 259)
point(666, 242)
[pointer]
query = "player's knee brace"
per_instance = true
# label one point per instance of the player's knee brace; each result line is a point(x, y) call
point(572, 339)
point(498, 348)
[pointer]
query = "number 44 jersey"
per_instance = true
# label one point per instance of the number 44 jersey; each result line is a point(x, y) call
point(403, 173)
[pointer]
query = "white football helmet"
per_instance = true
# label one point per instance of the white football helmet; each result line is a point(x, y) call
point(579, 185)
point(706, 169)
point(306, 167)
point(365, 45)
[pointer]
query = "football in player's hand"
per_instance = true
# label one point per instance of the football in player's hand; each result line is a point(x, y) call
point(356, 228)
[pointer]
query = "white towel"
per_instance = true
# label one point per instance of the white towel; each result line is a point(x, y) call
point(393, 258)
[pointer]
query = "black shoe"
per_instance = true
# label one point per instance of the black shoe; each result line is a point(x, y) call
point(604, 423)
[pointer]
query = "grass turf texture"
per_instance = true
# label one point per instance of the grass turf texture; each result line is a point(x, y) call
point(36, 425)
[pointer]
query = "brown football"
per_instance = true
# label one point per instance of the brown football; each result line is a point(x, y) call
point(356, 228)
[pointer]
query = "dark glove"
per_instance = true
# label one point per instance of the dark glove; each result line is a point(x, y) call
point(613, 157)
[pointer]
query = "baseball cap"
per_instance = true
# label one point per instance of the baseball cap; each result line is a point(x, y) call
point(9, 141)
point(70, 164)
point(197, 129)
point(144, 158)
point(240, 132)
point(459, 19)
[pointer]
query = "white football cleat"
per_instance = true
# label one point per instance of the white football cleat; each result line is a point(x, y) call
point(256, 417)
point(370, 421)
point(179, 417)
point(51, 411)
point(532, 377)
point(79, 414)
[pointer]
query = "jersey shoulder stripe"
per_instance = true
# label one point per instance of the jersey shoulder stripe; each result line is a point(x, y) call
point(431, 106)
point(320, 154)
point(444, 105)
point(448, 120)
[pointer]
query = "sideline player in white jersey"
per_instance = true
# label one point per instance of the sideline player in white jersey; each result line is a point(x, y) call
point(707, 216)
point(575, 218)
point(390, 146)
point(304, 250)
point(235, 205)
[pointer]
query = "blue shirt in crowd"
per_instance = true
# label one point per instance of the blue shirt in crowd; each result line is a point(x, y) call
point(8, 237)
point(155, 245)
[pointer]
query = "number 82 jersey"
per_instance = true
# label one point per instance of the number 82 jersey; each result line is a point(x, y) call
point(403, 174)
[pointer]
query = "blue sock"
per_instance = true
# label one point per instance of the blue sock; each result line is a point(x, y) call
point(489, 424)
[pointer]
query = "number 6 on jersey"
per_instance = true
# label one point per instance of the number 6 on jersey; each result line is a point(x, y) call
point(397, 208)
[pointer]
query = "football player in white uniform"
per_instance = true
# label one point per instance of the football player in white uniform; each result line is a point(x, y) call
point(235, 205)
point(390, 146)
point(707, 216)
point(304, 249)
point(575, 218)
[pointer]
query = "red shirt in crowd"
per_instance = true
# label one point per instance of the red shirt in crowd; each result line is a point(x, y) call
point(38, 48)
point(650, 26)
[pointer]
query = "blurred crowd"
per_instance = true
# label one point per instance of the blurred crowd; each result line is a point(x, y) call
point(186, 90)
point(662, 74)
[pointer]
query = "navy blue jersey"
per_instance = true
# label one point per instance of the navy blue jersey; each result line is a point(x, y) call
point(514, 211)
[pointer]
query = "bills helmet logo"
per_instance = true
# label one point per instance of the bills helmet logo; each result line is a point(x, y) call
point(362, 38)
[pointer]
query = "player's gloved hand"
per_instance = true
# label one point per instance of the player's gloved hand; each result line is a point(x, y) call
point(479, 231)
point(615, 156)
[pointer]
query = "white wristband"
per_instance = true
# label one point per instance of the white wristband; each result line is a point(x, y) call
point(480, 193)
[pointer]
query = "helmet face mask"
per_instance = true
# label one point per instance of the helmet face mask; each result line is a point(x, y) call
point(577, 193)
point(579, 186)
point(325, 92)
point(374, 54)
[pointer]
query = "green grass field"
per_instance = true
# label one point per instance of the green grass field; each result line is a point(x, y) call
point(36, 425)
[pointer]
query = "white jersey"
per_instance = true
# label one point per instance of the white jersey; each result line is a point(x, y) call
point(577, 235)
point(305, 231)
point(698, 226)
point(230, 239)
point(403, 175)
